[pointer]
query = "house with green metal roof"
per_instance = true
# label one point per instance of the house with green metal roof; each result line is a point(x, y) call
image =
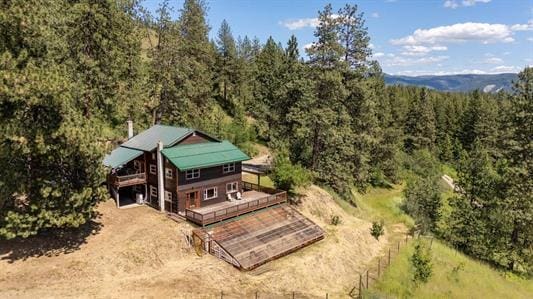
point(183, 172)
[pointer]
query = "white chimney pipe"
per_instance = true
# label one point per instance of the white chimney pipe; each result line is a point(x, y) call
point(130, 129)
point(160, 178)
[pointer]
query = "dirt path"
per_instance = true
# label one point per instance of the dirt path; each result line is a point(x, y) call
point(141, 253)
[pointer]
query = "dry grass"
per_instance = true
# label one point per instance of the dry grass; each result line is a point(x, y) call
point(141, 253)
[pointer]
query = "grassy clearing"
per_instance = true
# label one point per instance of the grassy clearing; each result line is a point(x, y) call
point(454, 276)
point(378, 204)
point(252, 178)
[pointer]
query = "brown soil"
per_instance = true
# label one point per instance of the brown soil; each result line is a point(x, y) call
point(139, 252)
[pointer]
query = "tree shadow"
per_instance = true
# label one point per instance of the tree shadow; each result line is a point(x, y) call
point(49, 243)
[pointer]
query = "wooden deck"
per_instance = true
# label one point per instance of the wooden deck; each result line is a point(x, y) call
point(252, 200)
point(127, 180)
point(259, 238)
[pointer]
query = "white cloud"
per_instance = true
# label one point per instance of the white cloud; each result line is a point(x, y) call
point(300, 23)
point(493, 60)
point(505, 69)
point(530, 39)
point(461, 32)
point(474, 2)
point(307, 46)
point(371, 46)
point(296, 24)
point(378, 54)
point(421, 50)
point(453, 4)
point(375, 15)
point(408, 61)
point(523, 27)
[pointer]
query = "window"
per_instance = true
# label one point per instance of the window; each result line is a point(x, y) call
point(153, 156)
point(192, 174)
point(153, 192)
point(232, 187)
point(153, 169)
point(137, 165)
point(168, 196)
point(168, 173)
point(210, 193)
point(228, 167)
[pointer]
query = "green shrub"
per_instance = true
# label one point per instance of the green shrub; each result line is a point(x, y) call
point(335, 220)
point(421, 262)
point(377, 230)
point(287, 176)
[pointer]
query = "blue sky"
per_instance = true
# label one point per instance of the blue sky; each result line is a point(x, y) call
point(408, 37)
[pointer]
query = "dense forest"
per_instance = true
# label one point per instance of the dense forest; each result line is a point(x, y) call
point(72, 73)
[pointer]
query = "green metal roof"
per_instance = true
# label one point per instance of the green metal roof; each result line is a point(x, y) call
point(121, 156)
point(147, 140)
point(201, 155)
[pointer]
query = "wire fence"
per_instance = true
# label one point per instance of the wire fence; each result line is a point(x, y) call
point(366, 278)
point(374, 272)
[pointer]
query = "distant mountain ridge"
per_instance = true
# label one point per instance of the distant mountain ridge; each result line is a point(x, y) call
point(458, 83)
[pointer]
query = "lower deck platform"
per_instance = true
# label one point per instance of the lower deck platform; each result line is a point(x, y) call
point(260, 237)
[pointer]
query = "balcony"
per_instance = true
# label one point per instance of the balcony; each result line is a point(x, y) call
point(119, 181)
point(254, 197)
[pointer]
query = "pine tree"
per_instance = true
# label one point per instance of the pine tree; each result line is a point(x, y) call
point(162, 68)
point(420, 124)
point(227, 66)
point(331, 135)
point(50, 173)
point(518, 150)
point(195, 65)
point(353, 36)
point(104, 57)
point(480, 122)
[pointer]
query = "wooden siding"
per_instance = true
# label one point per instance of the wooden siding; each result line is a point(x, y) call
point(209, 174)
point(220, 183)
point(196, 138)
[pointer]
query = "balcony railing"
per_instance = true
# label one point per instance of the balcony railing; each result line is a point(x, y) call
point(274, 197)
point(127, 180)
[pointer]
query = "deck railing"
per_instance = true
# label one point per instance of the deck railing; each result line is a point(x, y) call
point(128, 180)
point(275, 197)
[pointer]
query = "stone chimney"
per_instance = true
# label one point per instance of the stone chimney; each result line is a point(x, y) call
point(130, 129)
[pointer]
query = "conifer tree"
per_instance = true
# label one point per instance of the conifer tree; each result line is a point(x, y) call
point(420, 124)
point(227, 66)
point(50, 173)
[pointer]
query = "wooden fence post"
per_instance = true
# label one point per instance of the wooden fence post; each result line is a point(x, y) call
point(292, 294)
point(389, 258)
point(360, 295)
point(326, 295)
point(221, 294)
point(367, 278)
point(398, 246)
point(405, 238)
point(379, 266)
point(256, 295)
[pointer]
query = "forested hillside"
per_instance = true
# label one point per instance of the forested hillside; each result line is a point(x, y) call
point(463, 83)
point(73, 72)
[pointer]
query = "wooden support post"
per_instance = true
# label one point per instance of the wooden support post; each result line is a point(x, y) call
point(398, 246)
point(379, 266)
point(360, 295)
point(292, 294)
point(367, 278)
point(388, 264)
point(405, 238)
point(259, 181)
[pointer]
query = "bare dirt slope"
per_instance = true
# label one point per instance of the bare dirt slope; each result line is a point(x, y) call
point(139, 252)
